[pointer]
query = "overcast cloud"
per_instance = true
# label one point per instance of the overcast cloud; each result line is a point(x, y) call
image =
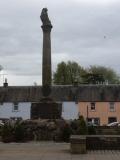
point(86, 31)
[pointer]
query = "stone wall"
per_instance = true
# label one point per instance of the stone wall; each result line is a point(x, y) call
point(80, 144)
point(44, 129)
point(106, 130)
point(103, 142)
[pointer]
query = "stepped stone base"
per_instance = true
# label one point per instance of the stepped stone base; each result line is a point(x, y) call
point(46, 109)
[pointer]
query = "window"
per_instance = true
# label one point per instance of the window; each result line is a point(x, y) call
point(93, 106)
point(92, 121)
point(112, 106)
point(112, 119)
point(15, 107)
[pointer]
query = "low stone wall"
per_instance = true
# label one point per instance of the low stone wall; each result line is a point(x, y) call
point(45, 129)
point(107, 130)
point(103, 142)
point(80, 144)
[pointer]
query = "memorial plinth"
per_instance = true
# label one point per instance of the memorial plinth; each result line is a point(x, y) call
point(47, 108)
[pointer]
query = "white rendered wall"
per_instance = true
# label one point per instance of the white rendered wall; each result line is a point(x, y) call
point(6, 110)
point(69, 110)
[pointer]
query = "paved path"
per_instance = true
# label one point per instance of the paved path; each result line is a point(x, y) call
point(50, 151)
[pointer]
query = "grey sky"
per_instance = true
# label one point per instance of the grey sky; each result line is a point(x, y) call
point(86, 31)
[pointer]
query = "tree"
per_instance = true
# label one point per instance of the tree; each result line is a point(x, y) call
point(93, 78)
point(71, 72)
point(1, 67)
point(100, 74)
point(68, 73)
point(82, 127)
point(60, 76)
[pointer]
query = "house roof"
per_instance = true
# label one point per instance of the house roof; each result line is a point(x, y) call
point(88, 93)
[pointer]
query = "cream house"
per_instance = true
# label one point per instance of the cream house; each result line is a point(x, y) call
point(100, 113)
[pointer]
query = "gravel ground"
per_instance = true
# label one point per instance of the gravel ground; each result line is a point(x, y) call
point(50, 151)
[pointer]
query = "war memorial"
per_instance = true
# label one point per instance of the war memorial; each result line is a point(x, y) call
point(47, 107)
point(46, 103)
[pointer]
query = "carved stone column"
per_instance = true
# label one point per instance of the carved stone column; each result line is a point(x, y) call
point(46, 61)
point(47, 108)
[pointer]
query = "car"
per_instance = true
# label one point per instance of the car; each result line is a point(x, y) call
point(114, 124)
point(1, 124)
point(91, 124)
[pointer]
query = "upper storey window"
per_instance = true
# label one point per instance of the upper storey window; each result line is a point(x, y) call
point(112, 106)
point(93, 106)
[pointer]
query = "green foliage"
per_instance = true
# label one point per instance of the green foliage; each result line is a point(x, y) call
point(7, 133)
point(79, 126)
point(74, 125)
point(19, 132)
point(82, 127)
point(66, 132)
point(104, 74)
point(67, 73)
point(13, 132)
point(92, 78)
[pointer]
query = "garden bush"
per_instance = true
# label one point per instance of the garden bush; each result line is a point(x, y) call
point(13, 132)
point(66, 132)
point(19, 132)
point(7, 133)
point(79, 126)
point(82, 127)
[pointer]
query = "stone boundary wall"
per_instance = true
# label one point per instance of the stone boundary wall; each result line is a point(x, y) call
point(103, 142)
point(79, 144)
point(107, 130)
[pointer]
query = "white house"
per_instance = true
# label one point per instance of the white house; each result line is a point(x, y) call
point(15, 110)
point(22, 110)
point(70, 110)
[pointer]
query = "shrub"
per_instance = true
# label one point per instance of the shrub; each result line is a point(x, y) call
point(7, 133)
point(82, 127)
point(13, 132)
point(74, 124)
point(66, 132)
point(19, 132)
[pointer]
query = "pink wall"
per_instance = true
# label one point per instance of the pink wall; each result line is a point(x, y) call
point(102, 111)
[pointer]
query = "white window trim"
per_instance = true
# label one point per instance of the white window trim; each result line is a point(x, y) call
point(13, 110)
point(110, 109)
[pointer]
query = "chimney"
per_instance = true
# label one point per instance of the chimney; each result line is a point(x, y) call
point(5, 84)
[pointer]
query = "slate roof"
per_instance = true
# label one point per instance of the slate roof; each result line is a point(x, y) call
point(88, 93)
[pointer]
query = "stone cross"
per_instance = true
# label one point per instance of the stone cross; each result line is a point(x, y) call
point(46, 61)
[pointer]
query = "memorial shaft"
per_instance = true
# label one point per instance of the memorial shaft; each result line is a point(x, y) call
point(46, 66)
point(46, 108)
point(46, 61)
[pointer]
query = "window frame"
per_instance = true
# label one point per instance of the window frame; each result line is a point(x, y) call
point(14, 105)
point(112, 107)
point(92, 104)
